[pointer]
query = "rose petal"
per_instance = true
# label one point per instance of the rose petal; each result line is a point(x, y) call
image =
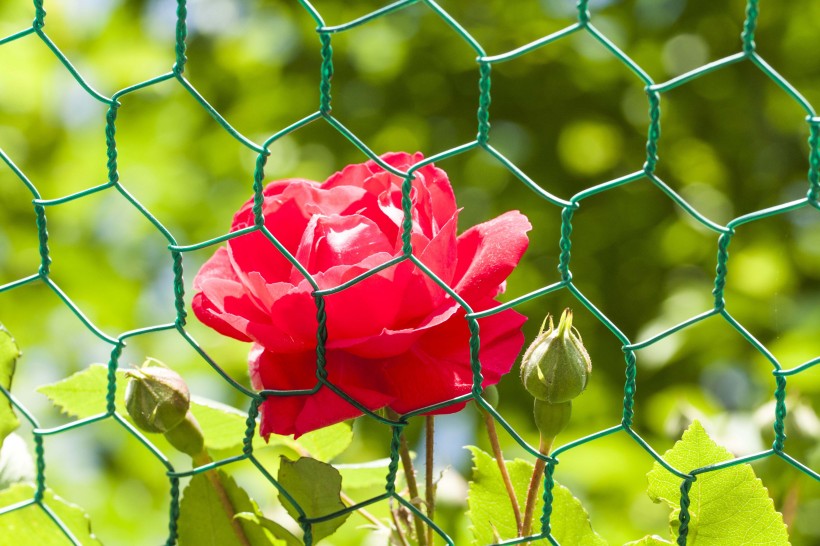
point(293, 321)
point(287, 216)
point(389, 342)
point(299, 414)
point(438, 368)
point(432, 194)
point(366, 308)
point(222, 301)
point(487, 254)
point(335, 240)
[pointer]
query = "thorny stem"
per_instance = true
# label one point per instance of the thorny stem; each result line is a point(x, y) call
point(535, 482)
point(202, 459)
point(429, 486)
point(502, 466)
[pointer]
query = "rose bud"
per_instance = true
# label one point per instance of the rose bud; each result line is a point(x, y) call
point(551, 419)
point(156, 397)
point(556, 366)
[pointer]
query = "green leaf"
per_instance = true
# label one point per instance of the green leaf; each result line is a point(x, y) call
point(9, 353)
point(729, 506)
point(222, 425)
point(323, 444)
point(363, 475)
point(16, 463)
point(653, 540)
point(326, 443)
point(316, 487)
point(490, 512)
point(83, 395)
point(31, 525)
point(283, 536)
point(204, 519)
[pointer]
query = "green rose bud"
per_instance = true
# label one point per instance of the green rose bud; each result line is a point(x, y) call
point(551, 419)
point(556, 366)
point(156, 397)
point(187, 436)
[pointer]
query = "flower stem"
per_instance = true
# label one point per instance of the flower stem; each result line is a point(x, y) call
point(412, 486)
point(502, 466)
point(535, 482)
point(429, 486)
point(202, 459)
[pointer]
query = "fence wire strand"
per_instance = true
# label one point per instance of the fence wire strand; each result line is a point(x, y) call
point(568, 208)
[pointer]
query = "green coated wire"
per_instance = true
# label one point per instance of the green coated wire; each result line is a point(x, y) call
point(568, 209)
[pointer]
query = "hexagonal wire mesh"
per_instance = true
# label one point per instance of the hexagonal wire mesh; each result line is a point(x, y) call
point(325, 34)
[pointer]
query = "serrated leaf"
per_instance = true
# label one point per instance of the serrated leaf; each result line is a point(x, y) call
point(282, 536)
point(205, 521)
point(16, 463)
point(316, 487)
point(31, 525)
point(83, 395)
point(653, 540)
point(729, 506)
point(9, 353)
point(490, 512)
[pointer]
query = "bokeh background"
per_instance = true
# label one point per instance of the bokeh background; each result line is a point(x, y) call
point(569, 115)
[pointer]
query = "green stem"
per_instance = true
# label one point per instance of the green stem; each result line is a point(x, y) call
point(429, 486)
point(535, 483)
point(502, 466)
point(202, 459)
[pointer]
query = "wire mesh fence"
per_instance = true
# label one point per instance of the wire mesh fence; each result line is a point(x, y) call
point(568, 208)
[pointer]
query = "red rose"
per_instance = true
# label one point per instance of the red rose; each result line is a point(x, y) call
point(395, 339)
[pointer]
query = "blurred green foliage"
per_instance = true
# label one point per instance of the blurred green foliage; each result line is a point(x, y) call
point(568, 114)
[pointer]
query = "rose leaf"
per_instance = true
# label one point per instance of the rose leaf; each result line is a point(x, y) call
point(326, 443)
point(727, 506)
point(204, 520)
point(32, 525)
point(366, 475)
point(222, 425)
point(316, 487)
point(286, 538)
point(9, 353)
point(490, 512)
point(82, 394)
